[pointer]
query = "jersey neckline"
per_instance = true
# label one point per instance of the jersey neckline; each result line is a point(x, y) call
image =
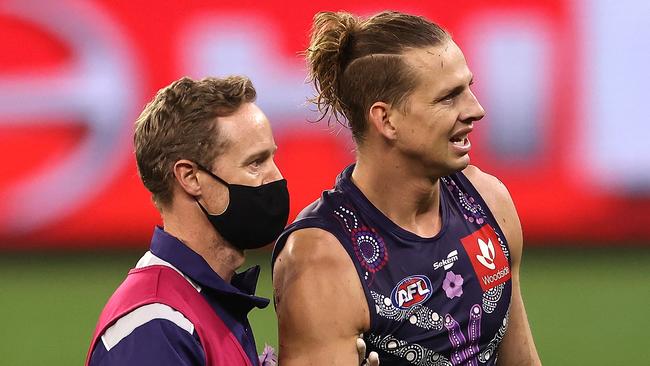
point(345, 183)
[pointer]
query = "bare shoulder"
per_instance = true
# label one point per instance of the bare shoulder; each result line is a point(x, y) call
point(493, 191)
point(310, 244)
point(320, 302)
point(311, 249)
point(310, 253)
point(500, 203)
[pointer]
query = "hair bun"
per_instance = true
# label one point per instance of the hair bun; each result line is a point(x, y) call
point(329, 51)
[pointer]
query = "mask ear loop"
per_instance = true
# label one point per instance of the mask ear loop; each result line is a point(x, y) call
point(201, 167)
point(202, 208)
point(205, 211)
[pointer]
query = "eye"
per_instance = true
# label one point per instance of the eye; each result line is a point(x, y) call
point(449, 99)
point(258, 162)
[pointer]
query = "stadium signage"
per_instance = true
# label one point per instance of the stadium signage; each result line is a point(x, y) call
point(411, 291)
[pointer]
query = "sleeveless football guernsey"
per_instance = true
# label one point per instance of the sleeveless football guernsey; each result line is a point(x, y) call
point(434, 301)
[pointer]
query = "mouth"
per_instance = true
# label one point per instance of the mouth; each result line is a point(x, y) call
point(460, 140)
point(461, 143)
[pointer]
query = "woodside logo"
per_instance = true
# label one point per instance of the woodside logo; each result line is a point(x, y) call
point(488, 260)
point(486, 257)
point(488, 280)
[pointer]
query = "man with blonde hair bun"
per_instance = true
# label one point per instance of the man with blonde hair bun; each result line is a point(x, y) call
point(413, 247)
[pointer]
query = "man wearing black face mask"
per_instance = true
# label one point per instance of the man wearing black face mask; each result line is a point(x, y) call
point(205, 152)
point(266, 205)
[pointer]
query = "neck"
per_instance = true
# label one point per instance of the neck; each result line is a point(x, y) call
point(409, 199)
point(193, 229)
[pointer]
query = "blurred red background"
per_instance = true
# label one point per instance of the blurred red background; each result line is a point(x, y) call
point(74, 75)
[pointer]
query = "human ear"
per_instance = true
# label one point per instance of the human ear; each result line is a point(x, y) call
point(185, 176)
point(379, 118)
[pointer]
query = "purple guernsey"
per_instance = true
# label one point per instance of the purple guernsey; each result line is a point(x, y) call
point(433, 301)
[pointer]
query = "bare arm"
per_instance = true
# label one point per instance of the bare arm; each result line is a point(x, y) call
point(517, 347)
point(320, 303)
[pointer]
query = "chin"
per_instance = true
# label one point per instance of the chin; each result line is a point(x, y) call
point(460, 163)
point(447, 167)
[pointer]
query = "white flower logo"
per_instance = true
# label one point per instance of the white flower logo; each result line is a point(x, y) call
point(487, 253)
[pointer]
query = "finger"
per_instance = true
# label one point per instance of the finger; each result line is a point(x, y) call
point(373, 359)
point(361, 349)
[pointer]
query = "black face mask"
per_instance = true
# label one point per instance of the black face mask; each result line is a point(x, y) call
point(255, 216)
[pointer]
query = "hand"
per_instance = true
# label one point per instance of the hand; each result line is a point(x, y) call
point(373, 357)
point(268, 357)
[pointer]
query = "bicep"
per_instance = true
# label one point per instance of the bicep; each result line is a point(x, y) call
point(320, 303)
point(157, 342)
point(517, 347)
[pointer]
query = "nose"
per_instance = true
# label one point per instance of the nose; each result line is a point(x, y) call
point(473, 110)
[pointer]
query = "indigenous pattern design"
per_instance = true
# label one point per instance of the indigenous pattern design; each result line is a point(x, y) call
point(491, 348)
point(473, 211)
point(465, 349)
point(368, 245)
point(419, 315)
point(504, 247)
point(491, 298)
point(413, 353)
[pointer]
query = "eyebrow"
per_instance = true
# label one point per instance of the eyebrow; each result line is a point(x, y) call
point(262, 154)
point(454, 91)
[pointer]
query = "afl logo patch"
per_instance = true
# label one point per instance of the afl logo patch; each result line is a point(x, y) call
point(411, 291)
